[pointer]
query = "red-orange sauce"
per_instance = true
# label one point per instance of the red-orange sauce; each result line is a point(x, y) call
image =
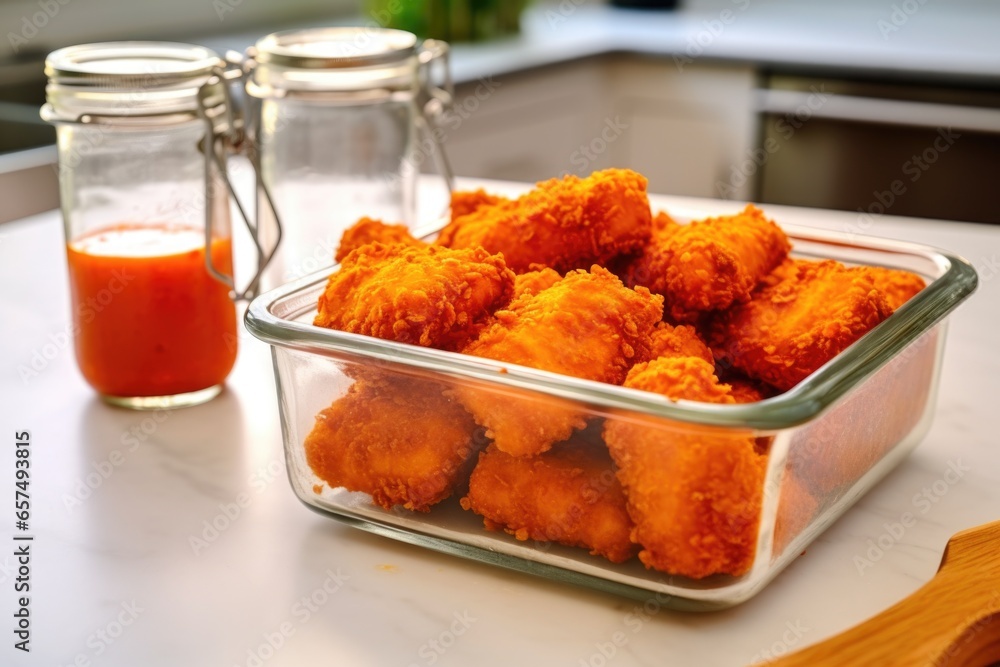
point(149, 320)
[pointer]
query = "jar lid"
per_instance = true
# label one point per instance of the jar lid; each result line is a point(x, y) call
point(121, 65)
point(335, 48)
point(139, 80)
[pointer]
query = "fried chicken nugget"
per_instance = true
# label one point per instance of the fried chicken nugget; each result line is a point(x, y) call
point(428, 295)
point(748, 391)
point(568, 495)
point(694, 494)
point(466, 202)
point(711, 264)
point(796, 508)
point(567, 223)
point(587, 325)
point(535, 281)
point(368, 230)
point(787, 269)
point(663, 225)
point(402, 441)
point(791, 328)
point(625, 265)
point(898, 286)
point(678, 341)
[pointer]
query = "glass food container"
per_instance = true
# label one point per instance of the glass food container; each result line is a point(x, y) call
point(826, 442)
point(344, 121)
point(143, 132)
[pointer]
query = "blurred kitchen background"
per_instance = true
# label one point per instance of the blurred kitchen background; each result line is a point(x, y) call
point(874, 106)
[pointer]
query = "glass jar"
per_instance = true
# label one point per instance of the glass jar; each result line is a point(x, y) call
point(143, 129)
point(343, 120)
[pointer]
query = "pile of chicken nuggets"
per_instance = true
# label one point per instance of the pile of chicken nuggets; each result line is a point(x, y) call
point(579, 277)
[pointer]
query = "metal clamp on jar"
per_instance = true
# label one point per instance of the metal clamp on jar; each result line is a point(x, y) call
point(339, 118)
point(144, 131)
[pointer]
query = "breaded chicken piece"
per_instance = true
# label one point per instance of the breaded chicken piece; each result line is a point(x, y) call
point(833, 452)
point(787, 269)
point(428, 295)
point(688, 378)
point(663, 225)
point(623, 265)
point(746, 391)
point(564, 223)
point(466, 202)
point(694, 494)
point(898, 286)
point(401, 440)
point(796, 508)
point(678, 341)
point(709, 265)
point(535, 281)
point(568, 495)
point(368, 230)
point(790, 329)
point(587, 325)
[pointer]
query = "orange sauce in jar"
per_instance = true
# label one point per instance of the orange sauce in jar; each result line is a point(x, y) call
point(149, 319)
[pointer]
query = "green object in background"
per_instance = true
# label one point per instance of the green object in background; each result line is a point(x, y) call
point(450, 20)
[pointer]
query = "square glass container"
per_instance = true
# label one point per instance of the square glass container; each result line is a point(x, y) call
point(828, 440)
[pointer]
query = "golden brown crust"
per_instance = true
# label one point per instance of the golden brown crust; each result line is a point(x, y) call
point(368, 230)
point(428, 295)
point(710, 264)
point(694, 494)
point(796, 508)
point(677, 378)
point(465, 202)
point(402, 441)
point(678, 341)
point(746, 391)
point(898, 286)
point(663, 225)
point(567, 223)
point(535, 281)
point(587, 325)
point(568, 495)
point(791, 328)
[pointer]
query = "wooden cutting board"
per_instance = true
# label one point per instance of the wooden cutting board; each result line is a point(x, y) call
point(953, 621)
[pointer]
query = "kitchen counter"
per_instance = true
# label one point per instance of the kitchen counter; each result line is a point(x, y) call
point(173, 538)
point(932, 43)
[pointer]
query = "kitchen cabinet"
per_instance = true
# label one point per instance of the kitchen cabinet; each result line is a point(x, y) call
point(690, 130)
point(691, 127)
point(526, 125)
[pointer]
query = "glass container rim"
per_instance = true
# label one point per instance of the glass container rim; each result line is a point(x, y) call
point(956, 282)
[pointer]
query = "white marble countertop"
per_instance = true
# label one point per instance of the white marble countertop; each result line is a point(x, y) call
point(118, 495)
point(926, 42)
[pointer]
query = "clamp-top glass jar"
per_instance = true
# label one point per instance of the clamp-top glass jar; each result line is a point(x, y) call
point(339, 122)
point(143, 132)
